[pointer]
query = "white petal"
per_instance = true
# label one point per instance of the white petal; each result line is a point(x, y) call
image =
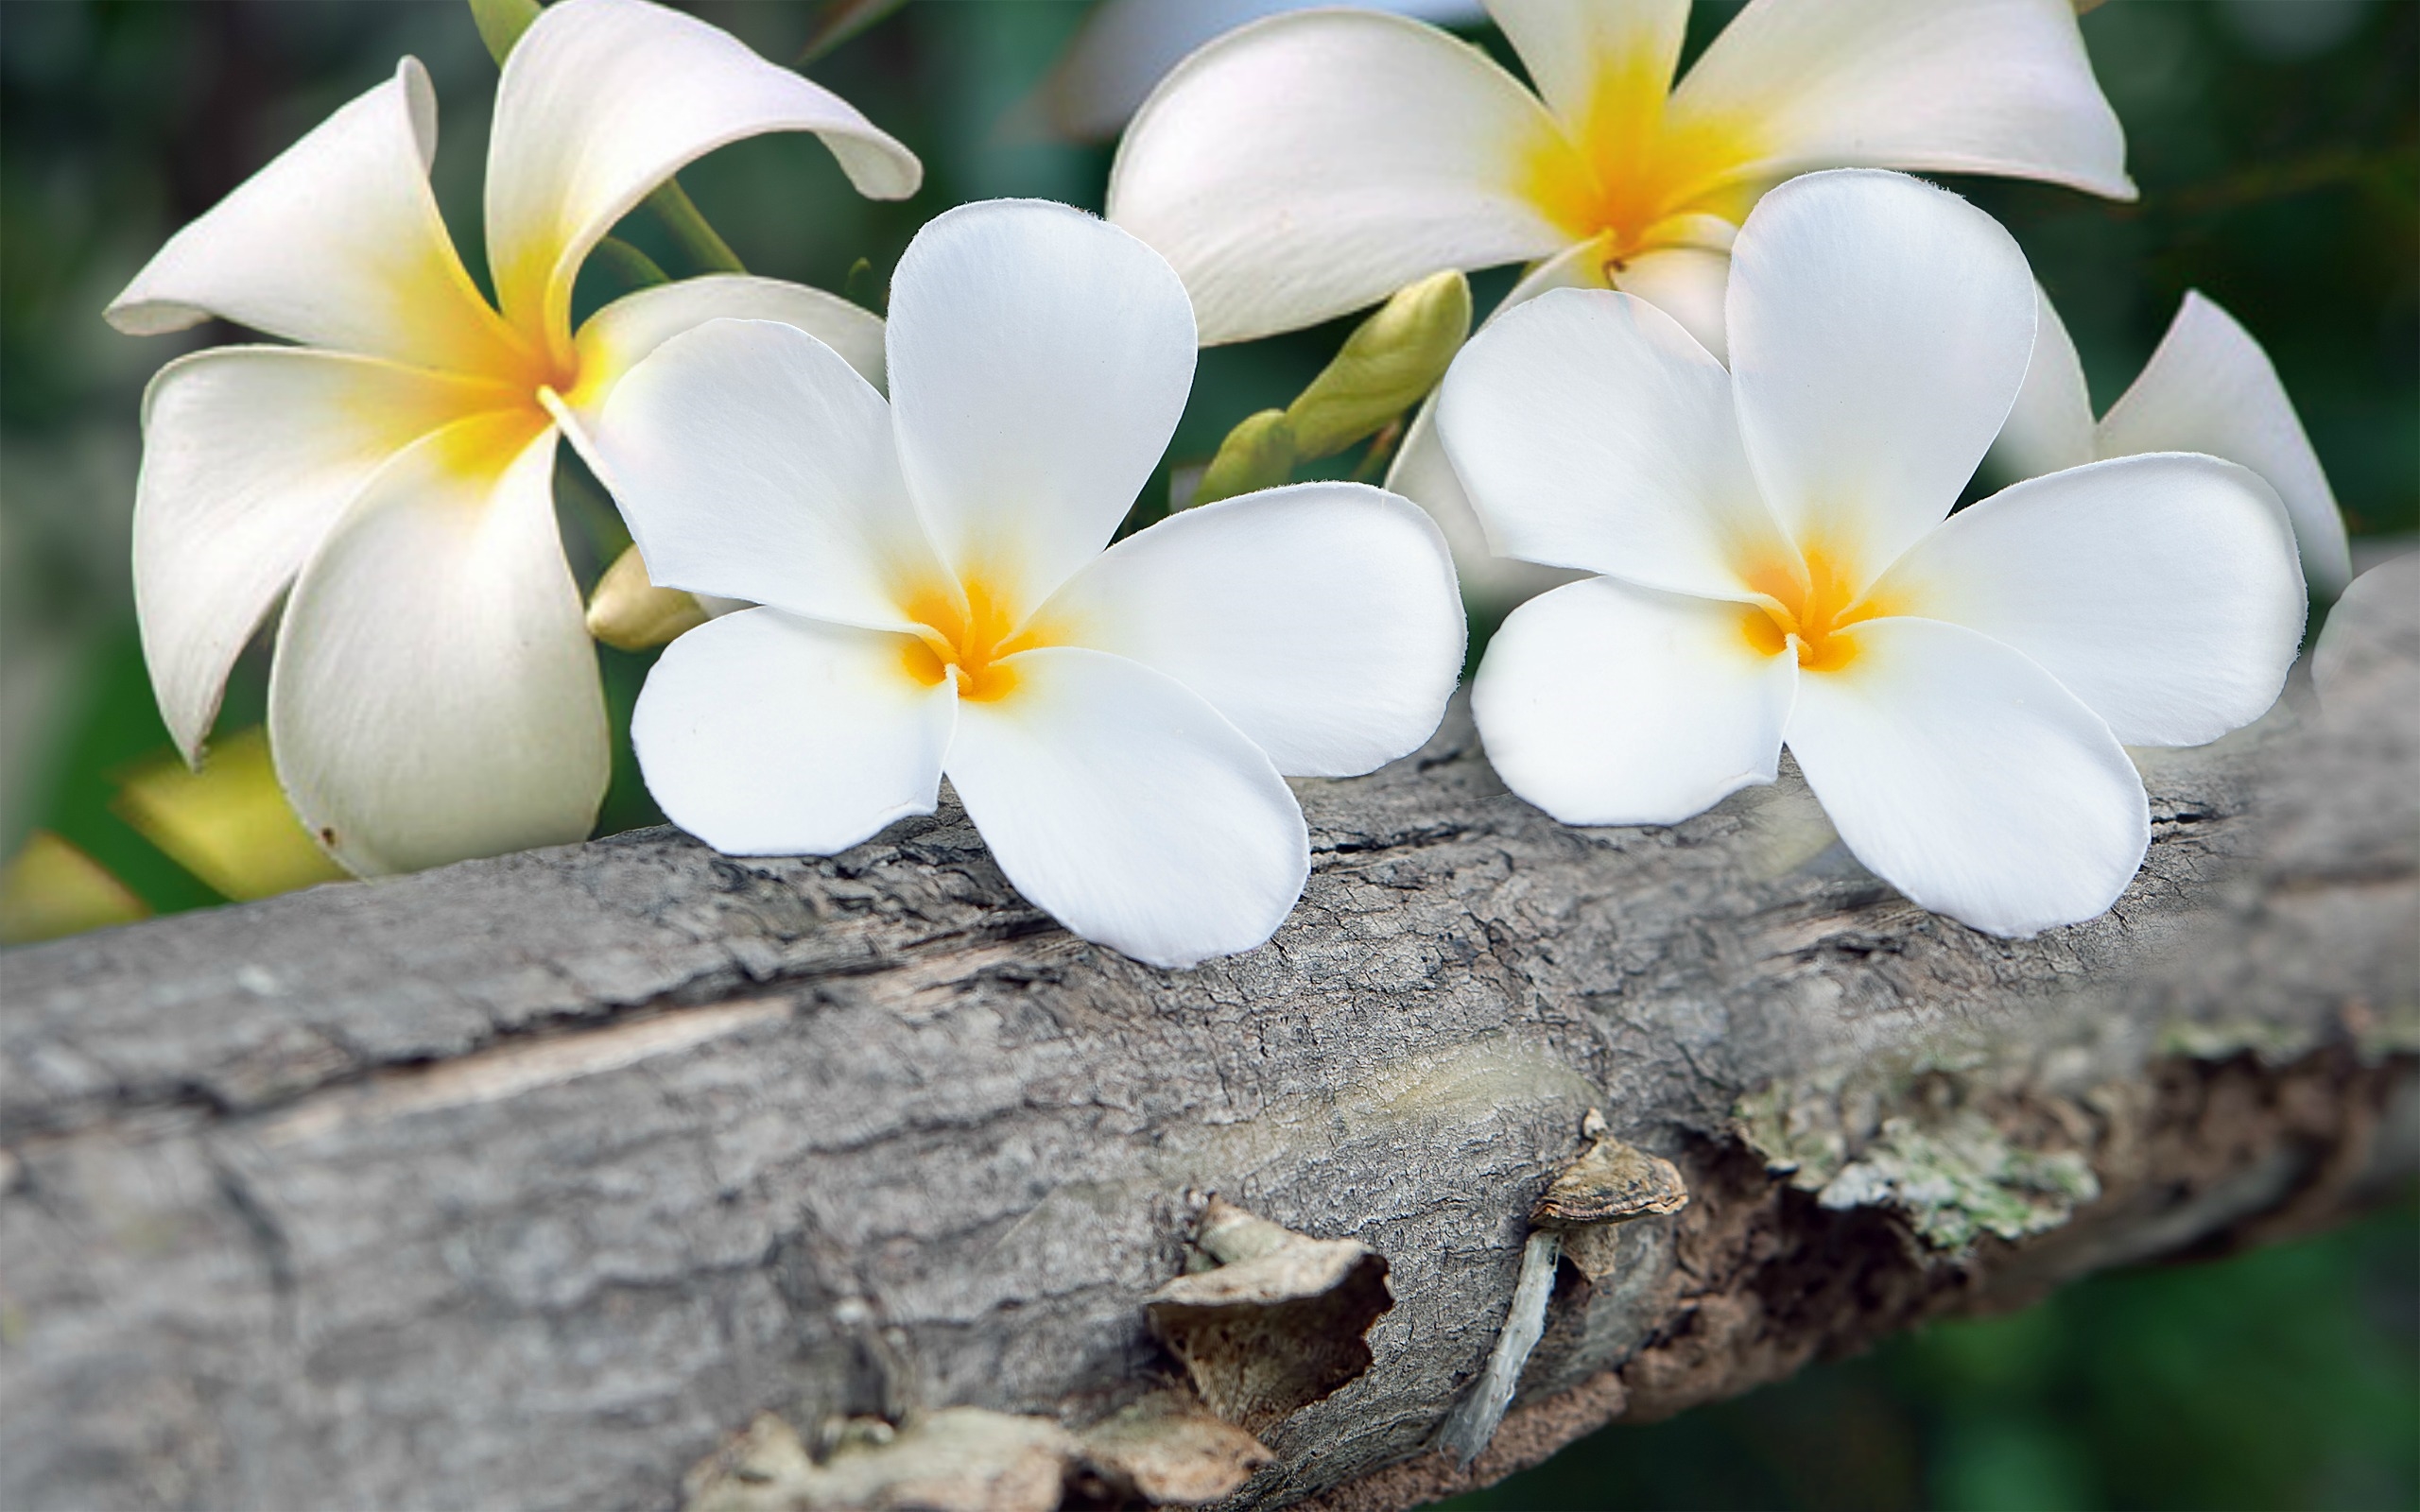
point(336, 243)
point(434, 696)
point(2371, 629)
point(1879, 331)
point(1966, 776)
point(1039, 359)
point(1604, 703)
point(1125, 46)
point(1312, 163)
point(2050, 427)
point(249, 455)
point(1975, 86)
point(1573, 47)
point(1129, 810)
point(617, 338)
point(751, 462)
point(2162, 591)
point(1421, 472)
point(2210, 388)
point(1321, 620)
point(1686, 283)
point(1593, 432)
point(602, 100)
point(763, 733)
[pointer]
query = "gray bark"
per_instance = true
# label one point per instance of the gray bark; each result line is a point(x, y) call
point(529, 1181)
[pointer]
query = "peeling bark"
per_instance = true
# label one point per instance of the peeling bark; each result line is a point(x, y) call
point(532, 1182)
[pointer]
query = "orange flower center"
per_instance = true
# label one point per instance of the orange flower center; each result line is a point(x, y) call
point(967, 636)
point(1625, 175)
point(1810, 609)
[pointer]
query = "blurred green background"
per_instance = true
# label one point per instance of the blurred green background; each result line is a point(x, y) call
point(2277, 144)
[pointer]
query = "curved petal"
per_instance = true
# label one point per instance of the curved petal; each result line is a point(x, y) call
point(1321, 619)
point(1979, 86)
point(1421, 472)
point(1576, 49)
point(250, 457)
point(1129, 810)
point(1124, 47)
point(1604, 703)
point(602, 100)
point(2210, 388)
point(1879, 331)
point(2161, 589)
point(1686, 283)
point(435, 694)
point(1593, 432)
point(1966, 776)
point(2372, 628)
point(1039, 359)
point(767, 734)
point(619, 336)
point(1309, 164)
point(336, 243)
point(752, 463)
point(2050, 426)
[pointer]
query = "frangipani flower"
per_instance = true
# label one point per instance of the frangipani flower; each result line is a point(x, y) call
point(938, 601)
point(434, 694)
point(1312, 163)
point(1781, 566)
point(2207, 388)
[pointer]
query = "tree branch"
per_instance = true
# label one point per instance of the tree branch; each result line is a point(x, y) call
point(529, 1182)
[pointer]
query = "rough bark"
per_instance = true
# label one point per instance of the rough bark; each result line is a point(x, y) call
point(529, 1182)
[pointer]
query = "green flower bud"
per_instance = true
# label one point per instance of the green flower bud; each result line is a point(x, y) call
point(1388, 365)
point(628, 613)
point(1258, 454)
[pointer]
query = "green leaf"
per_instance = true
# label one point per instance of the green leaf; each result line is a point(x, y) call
point(501, 24)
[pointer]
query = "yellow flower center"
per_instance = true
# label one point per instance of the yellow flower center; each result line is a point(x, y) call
point(1808, 603)
point(968, 636)
point(1625, 174)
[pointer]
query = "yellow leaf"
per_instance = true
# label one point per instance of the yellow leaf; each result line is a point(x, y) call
point(52, 888)
point(228, 823)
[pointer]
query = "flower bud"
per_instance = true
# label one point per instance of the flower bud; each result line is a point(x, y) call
point(1258, 454)
point(628, 613)
point(1388, 365)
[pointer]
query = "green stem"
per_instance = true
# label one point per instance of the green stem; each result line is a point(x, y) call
point(698, 242)
point(501, 24)
point(630, 265)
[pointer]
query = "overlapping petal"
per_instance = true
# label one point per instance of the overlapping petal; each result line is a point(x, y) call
point(1321, 620)
point(2161, 590)
point(1604, 703)
point(2210, 388)
point(1124, 47)
point(2050, 425)
point(1967, 777)
point(336, 243)
point(601, 100)
point(1591, 431)
point(1688, 283)
point(617, 338)
point(1573, 48)
point(228, 510)
point(764, 734)
point(1129, 809)
point(1880, 332)
point(1038, 363)
point(1312, 163)
point(1979, 86)
point(434, 694)
point(754, 463)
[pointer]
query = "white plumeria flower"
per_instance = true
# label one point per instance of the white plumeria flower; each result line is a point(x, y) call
point(938, 601)
point(1781, 566)
point(434, 694)
point(2207, 388)
point(1306, 165)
